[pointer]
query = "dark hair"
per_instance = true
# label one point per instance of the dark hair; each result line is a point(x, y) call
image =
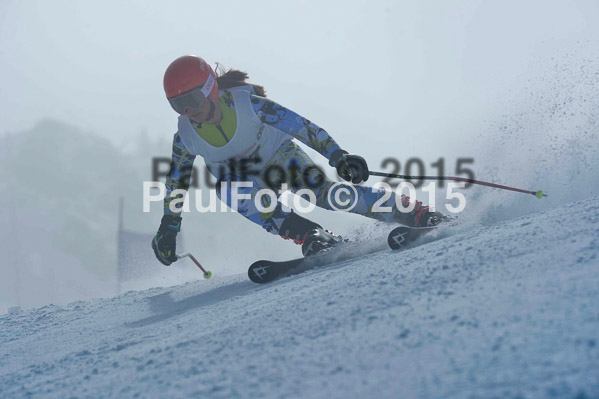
point(234, 78)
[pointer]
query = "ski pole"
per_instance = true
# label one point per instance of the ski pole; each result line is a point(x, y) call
point(539, 194)
point(207, 273)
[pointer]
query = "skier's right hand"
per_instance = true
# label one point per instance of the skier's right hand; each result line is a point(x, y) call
point(164, 243)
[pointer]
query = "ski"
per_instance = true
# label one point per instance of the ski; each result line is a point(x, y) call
point(402, 236)
point(265, 271)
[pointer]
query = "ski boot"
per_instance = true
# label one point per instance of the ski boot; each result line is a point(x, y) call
point(420, 216)
point(431, 219)
point(311, 236)
point(319, 240)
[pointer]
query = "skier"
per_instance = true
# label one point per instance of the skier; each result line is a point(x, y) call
point(224, 118)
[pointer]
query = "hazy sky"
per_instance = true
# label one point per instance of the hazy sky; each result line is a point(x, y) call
point(370, 72)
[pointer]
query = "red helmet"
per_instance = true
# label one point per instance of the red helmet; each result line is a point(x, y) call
point(187, 73)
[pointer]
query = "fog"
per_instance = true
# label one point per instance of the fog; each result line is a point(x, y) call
point(512, 85)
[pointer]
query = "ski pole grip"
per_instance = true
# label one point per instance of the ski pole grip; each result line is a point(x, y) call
point(207, 273)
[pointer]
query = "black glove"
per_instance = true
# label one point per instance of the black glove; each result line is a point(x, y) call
point(164, 243)
point(350, 167)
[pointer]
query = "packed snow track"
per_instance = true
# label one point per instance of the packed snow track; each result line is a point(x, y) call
point(507, 311)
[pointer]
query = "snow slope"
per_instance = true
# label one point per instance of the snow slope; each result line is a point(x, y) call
point(508, 310)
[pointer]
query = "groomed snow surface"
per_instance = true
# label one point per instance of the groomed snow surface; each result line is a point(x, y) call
point(505, 311)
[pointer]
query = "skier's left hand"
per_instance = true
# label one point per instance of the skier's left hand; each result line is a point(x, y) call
point(350, 167)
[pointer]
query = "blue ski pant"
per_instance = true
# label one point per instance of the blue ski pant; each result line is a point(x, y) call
point(290, 165)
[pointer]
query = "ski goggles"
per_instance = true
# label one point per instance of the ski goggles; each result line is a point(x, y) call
point(193, 98)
